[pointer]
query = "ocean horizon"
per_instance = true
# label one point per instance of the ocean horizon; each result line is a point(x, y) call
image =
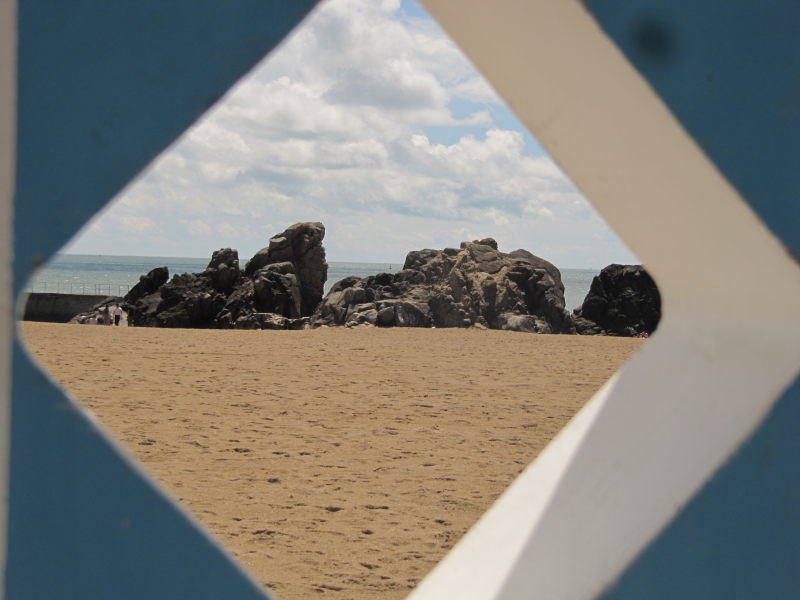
point(114, 275)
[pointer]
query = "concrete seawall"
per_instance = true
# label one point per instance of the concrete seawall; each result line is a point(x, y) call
point(58, 308)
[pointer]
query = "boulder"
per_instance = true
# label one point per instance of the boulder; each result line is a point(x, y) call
point(188, 300)
point(298, 324)
point(385, 316)
point(301, 246)
point(475, 284)
point(277, 292)
point(241, 301)
point(360, 314)
point(223, 269)
point(622, 300)
point(148, 284)
point(412, 314)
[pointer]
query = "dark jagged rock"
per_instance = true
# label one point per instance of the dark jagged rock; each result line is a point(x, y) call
point(622, 300)
point(188, 300)
point(223, 269)
point(279, 289)
point(476, 285)
point(300, 245)
point(240, 302)
point(148, 284)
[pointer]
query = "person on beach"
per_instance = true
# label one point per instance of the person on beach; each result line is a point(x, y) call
point(106, 316)
point(131, 316)
point(117, 315)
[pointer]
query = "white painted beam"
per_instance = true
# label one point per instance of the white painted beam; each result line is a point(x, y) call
point(645, 444)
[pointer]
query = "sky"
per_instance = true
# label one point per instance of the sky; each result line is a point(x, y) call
point(369, 119)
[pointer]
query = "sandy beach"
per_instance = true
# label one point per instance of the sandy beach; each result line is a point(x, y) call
point(345, 462)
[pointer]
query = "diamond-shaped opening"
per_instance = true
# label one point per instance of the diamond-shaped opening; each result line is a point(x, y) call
point(339, 460)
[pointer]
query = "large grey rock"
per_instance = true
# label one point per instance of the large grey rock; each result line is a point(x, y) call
point(277, 292)
point(412, 314)
point(188, 300)
point(223, 269)
point(148, 284)
point(455, 287)
point(300, 245)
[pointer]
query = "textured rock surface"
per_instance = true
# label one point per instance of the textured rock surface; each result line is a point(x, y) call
point(223, 269)
point(279, 289)
point(475, 285)
point(623, 300)
point(148, 284)
point(301, 246)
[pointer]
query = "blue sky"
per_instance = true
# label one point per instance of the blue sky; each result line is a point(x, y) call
point(369, 119)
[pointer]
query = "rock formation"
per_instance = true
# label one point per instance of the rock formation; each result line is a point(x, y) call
point(301, 247)
point(476, 285)
point(150, 282)
point(622, 300)
point(279, 289)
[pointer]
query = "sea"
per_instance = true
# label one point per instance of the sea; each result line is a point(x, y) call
point(115, 275)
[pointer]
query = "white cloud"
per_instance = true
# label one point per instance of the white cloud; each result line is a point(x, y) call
point(234, 231)
point(134, 224)
point(198, 227)
point(344, 124)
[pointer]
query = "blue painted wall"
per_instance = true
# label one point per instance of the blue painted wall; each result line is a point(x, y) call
point(103, 88)
point(730, 72)
point(739, 539)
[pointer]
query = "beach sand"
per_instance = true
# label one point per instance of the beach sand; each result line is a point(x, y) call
point(340, 461)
